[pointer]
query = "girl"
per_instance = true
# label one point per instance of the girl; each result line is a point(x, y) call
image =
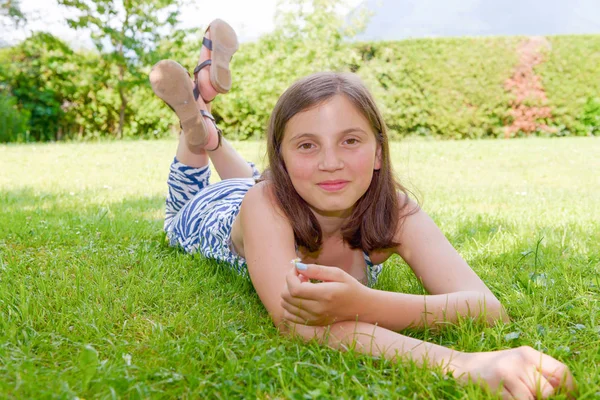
point(329, 202)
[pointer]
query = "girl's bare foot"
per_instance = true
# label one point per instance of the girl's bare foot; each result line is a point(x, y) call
point(171, 82)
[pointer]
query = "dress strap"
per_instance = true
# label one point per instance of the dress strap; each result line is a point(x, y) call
point(373, 270)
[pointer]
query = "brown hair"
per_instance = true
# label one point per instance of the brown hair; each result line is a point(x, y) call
point(375, 217)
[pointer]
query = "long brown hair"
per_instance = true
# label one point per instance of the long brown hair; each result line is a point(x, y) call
point(376, 215)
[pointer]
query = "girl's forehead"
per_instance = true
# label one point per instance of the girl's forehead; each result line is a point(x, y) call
point(335, 114)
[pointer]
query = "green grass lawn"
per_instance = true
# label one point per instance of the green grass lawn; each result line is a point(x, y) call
point(94, 304)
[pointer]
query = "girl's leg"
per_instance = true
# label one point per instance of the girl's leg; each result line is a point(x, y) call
point(227, 161)
point(190, 171)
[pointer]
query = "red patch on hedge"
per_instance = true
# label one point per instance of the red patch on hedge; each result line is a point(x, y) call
point(529, 104)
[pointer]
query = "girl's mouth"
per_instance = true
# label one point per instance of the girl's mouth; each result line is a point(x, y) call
point(333, 186)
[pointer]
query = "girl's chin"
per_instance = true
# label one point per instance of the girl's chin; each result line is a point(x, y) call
point(332, 210)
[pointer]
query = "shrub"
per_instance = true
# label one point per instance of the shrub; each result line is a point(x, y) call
point(571, 77)
point(13, 123)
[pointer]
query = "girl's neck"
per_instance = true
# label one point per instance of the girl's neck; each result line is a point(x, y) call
point(331, 224)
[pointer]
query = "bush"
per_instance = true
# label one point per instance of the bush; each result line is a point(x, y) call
point(571, 77)
point(450, 88)
point(13, 123)
point(440, 88)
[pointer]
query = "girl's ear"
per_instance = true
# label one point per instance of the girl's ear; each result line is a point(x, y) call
point(378, 158)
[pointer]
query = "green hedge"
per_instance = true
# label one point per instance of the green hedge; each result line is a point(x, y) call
point(571, 77)
point(13, 122)
point(451, 88)
point(441, 88)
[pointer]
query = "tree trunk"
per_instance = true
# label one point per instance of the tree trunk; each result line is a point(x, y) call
point(121, 113)
point(122, 80)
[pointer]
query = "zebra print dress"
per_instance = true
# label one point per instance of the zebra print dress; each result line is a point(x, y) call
point(199, 216)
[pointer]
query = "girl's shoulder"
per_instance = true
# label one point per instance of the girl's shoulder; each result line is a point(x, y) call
point(260, 198)
point(261, 191)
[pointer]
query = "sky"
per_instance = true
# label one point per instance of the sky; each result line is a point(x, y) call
point(391, 19)
point(400, 19)
point(250, 18)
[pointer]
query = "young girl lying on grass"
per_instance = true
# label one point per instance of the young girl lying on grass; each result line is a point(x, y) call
point(329, 201)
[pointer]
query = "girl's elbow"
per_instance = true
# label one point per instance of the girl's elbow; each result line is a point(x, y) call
point(305, 332)
point(496, 313)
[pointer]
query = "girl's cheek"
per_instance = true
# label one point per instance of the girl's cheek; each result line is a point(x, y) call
point(300, 169)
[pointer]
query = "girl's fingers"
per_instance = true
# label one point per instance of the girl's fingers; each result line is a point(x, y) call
point(292, 318)
point(537, 384)
point(309, 306)
point(293, 283)
point(324, 273)
point(518, 389)
point(303, 290)
point(298, 312)
point(505, 394)
point(555, 372)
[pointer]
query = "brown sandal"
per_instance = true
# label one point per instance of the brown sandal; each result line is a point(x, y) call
point(223, 43)
point(172, 83)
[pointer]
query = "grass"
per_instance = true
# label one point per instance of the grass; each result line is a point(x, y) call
point(94, 304)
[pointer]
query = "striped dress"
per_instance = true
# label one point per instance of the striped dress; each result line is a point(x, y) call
point(199, 216)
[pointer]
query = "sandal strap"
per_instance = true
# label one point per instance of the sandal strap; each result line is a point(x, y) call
point(220, 136)
point(205, 63)
point(219, 131)
point(196, 83)
point(207, 115)
point(208, 44)
point(197, 93)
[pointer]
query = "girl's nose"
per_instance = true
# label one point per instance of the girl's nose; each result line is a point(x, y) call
point(330, 160)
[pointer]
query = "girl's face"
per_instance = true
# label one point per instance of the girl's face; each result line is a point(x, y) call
point(330, 153)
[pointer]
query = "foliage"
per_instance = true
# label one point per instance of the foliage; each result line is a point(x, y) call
point(309, 37)
point(125, 33)
point(571, 79)
point(439, 88)
point(13, 122)
point(11, 10)
point(74, 94)
point(449, 88)
point(40, 76)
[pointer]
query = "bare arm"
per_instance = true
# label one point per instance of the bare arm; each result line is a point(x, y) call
point(340, 297)
point(397, 311)
point(433, 259)
point(374, 340)
point(269, 246)
point(456, 291)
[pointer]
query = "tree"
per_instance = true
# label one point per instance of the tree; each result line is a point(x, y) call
point(12, 10)
point(126, 33)
point(309, 36)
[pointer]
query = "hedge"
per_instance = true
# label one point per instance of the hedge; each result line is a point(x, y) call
point(441, 88)
point(571, 77)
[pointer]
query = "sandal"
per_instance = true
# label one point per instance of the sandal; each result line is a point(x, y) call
point(172, 83)
point(223, 43)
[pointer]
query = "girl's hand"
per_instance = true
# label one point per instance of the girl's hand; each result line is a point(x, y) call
point(339, 297)
point(521, 373)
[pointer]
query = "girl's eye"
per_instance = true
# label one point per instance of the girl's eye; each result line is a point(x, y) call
point(352, 141)
point(305, 146)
